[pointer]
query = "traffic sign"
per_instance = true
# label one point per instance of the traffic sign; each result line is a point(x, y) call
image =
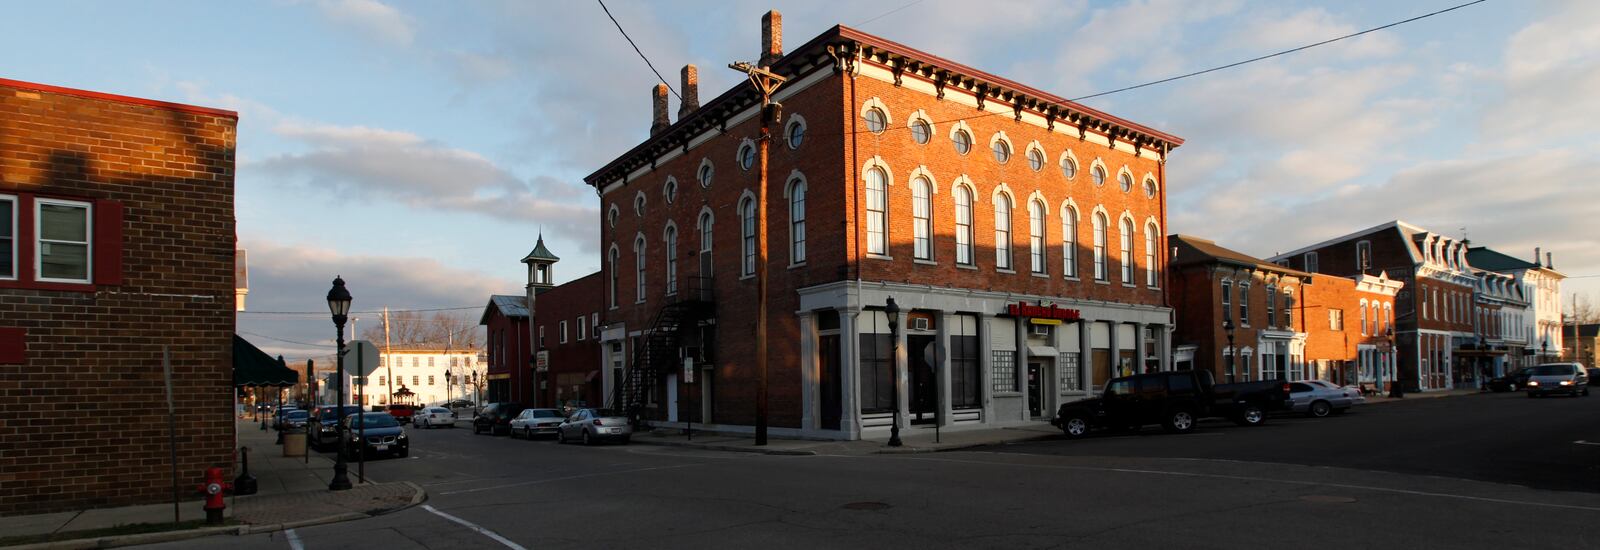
point(361, 358)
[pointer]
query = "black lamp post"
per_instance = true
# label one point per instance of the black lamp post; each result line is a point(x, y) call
point(893, 310)
point(339, 305)
point(1227, 328)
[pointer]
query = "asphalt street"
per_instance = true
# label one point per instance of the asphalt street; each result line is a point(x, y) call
point(1224, 487)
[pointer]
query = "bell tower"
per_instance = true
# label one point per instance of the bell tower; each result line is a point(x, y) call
point(541, 264)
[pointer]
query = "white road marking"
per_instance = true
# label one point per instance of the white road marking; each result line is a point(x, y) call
point(1582, 442)
point(479, 530)
point(1252, 478)
point(294, 540)
point(580, 476)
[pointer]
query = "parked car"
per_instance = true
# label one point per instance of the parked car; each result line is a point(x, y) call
point(382, 432)
point(1317, 398)
point(402, 412)
point(1513, 381)
point(1594, 377)
point(496, 418)
point(1176, 400)
point(1552, 378)
point(593, 426)
point(294, 420)
point(433, 417)
point(328, 418)
point(531, 422)
point(277, 417)
point(458, 404)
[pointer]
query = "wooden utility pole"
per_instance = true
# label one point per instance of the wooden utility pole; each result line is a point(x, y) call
point(766, 82)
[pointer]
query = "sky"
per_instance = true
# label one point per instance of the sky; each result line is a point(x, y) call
point(419, 148)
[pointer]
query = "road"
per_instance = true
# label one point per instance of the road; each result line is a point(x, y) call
point(1224, 487)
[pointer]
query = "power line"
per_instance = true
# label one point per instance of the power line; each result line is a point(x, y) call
point(888, 13)
point(281, 339)
point(368, 312)
point(641, 53)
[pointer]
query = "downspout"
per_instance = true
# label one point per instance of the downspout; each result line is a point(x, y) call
point(1165, 260)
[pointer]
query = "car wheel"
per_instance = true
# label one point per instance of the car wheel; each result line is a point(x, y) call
point(625, 439)
point(561, 437)
point(1179, 421)
point(1075, 427)
point(1320, 409)
point(1252, 415)
point(404, 452)
point(587, 440)
point(1531, 395)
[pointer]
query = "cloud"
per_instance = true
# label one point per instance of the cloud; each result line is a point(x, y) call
point(1269, 32)
point(376, 20)
point(1550, 71)
point(295, 278)
point(405, 168)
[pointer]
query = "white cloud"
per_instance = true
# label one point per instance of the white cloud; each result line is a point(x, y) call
point(1550, 72)
point(372, 18)
point(1268, 32)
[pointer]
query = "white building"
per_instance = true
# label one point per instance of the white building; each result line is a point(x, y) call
point(432, 375)
point(1541, 287)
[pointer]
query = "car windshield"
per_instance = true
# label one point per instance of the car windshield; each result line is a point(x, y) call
point(297, 414)
point(1552, 370)
point(546, 413)
point(374, 420)
point(604, 413)
point(330, 413)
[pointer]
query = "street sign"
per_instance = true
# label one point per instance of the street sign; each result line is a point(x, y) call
point(541, 360)
point(361, 358)
point(688, 370)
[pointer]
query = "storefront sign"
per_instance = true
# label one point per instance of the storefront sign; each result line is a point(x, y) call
point(1042, 312)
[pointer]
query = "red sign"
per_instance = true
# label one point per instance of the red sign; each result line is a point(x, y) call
point(1042, 312)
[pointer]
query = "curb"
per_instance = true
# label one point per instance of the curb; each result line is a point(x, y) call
point(238, 530)
point(727, 448)
point(958, 447)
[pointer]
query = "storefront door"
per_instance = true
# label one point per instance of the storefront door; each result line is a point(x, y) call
point(1035, 389)
point(832, 391)
point(924, 386)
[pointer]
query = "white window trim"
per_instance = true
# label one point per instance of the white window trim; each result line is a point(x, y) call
point(705, 163)
point(669, 190)
point(669, 248)
point(1004, 192)
point(1033, 146)
point(1097, 163)
point(933, 191)
point(738, 155)
point(1132, 182)
point(919, 114)
point(794, 120)
point(1127, 240)
point(640, 203)
point(1154, 185)
point(583, 331)
point(1077, 167)
point(1069, 249)
point(612, 214)
point(871, 103)
point(1041, 232)
point(963, 184)
point(961, 126)
point(16, 216)
point(563, 331)
point(1011, 148)
point(38, 240)
point(796, 178)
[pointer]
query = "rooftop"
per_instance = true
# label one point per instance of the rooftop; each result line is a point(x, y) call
point(1196, 250)
point(118, 98)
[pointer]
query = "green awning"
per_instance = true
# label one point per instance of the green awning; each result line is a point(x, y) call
point(253, 367)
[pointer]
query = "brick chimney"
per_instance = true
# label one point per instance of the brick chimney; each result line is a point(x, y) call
point(771, 38)
point(691, 91)
point(1549, 262)
point(1536, 255)
point(658, 109)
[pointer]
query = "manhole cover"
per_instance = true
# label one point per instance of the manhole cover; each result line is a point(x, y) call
point(867, 506)
point(1327, 499)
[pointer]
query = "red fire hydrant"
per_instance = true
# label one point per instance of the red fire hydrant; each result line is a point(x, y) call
point(213, 489)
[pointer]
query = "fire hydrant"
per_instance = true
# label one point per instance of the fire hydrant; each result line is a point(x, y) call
point(213, 489)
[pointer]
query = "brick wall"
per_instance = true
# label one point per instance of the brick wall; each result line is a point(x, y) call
point(571, 362)
point(80, 413)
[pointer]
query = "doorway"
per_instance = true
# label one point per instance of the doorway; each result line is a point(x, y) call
point(922, 356)
point(1035, 389)
point(832, 391)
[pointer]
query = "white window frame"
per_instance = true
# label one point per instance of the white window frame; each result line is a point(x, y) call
point(16, 216)
point(1152, 240)
point(1069, 242)
point(922, 218)
point(39, 240)
point(747, 237)
point(670, 236)
point(1244, 303)
point(613, 257)
point(563, 331)
point(1036, 237)
point(965, 252)
point(1101, 270)
point(1227, 299)
point(639, 258)
point(1126, 254)
point(1002, 232)
point(877, 195)
point(583, 328)
point(797, 220)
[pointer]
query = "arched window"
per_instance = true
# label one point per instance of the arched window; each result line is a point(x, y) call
point(747, 236)
point(1151, 244)
point(1127, 251)
point(963, 225)
point(877, 211)
point(611, 263)
point(797, 221)
point(1069, 242)
point(1363, 317)
point(1036, 236)
point(638, 266)
point(671, 238)
point(1288, 308)
point(1100, 246)
point(922, 221)
point(1002, 231)
point(705, 240)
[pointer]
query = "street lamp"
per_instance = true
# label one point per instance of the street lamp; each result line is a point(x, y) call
point(893, 310)
point(1227, 327)
point(339, 306)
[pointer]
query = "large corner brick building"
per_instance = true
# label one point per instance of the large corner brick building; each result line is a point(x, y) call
point(1021, 235)
point(116, 245)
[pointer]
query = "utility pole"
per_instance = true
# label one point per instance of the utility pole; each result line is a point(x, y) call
point(766, 82)
point(388, 364)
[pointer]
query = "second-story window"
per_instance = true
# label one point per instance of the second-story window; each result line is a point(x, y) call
point(797, 221)
point(638, 269)
point(671, 238)
point(1100, 273)
point(563, 332)
point(63, 240)
point(1288, 309)
point(8, 237)
point(1227, 299)
point(1272, 306)
point(1036, 236)
point(1127, 251)
point(922, 221)
point(1244, 303)
point(705, 244)
point(1310, 262)
point(963, 225)
point(877, 211)
point(1069, 242)
point(1151, 245)
point(611, 263)
point(747, 237)
point(1002, 231)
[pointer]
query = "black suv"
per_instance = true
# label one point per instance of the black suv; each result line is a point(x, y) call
point(1175, 400)
point(496, 418)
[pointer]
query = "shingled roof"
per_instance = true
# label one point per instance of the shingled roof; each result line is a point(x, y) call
point(1195, 250)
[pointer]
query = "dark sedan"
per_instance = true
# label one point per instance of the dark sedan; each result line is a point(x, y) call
point(327, 433)
point(496, 418)
point(382, 434)
point(1514, 381)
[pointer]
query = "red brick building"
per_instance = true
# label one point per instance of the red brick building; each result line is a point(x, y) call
point(508, 373)
point(116, 243)
point(893, 173)
point(1434, 309)
point(1244, 318)
point(568, 359)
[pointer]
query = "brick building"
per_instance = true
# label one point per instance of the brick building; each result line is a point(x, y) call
point(1540, 316)
point(970, 199)
point(508, 378)
point(1246, 319)
point(116, 243)
point(1433, 315)
point(1581, 343)
point(1500, 305)
point(568, 361)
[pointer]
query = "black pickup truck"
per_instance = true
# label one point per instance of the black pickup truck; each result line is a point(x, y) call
point(1175, 400)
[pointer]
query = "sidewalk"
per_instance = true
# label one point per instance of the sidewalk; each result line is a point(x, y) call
point(1374, 399)
point(293, 491)
point(918, 439)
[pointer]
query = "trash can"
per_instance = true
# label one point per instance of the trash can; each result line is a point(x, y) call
point(294, 443)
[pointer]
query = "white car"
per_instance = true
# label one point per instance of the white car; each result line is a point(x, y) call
point(432, 417)
point(1317, 398)
point(533, 422)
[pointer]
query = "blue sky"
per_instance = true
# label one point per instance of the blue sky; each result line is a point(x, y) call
point(418, 147)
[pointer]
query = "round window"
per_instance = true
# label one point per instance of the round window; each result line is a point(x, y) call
point(963, 141)
point(877, 122)
point(1150, 188)
point(921, 131)
point(1126, 181)
point(797, 134)
point(1099, 174)
point(638, 205)
point(1069, 167)
point(611, 216)
point(671, 191)
point(1036, 159)
point(1002, 152)
point(705, 175)
point(747, 156)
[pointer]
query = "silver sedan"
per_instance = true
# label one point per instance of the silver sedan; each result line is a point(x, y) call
point(594, 425)
point(533, 422)
point(1317, 398)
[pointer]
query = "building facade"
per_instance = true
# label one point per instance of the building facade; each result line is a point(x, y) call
point(422, 375)
point(100, 195)
point(506, 372)
point(1541, 290)
point(1501, 307)
point(1581, 341)
point(568, 367)
point(1020, 234)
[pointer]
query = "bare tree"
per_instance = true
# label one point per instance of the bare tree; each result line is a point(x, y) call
point(411, 328)
point(1584, 310)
